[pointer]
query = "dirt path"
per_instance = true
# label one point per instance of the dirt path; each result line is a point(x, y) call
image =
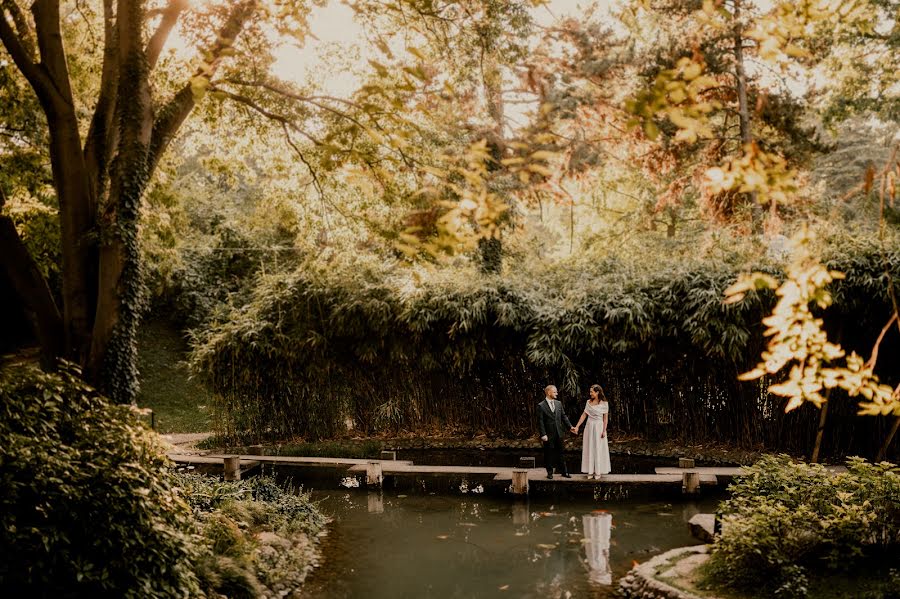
point(186, 442)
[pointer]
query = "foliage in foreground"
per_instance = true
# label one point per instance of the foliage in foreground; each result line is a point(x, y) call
point(258, 538)
point(88, 507)
point(91, 508)
point(787, 524)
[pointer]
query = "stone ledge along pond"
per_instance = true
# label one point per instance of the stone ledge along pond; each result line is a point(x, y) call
point(450, 536)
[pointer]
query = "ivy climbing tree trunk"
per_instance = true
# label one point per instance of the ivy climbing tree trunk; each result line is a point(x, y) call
point(100, 182)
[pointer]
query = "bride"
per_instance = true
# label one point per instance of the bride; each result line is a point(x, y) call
point(595, 448)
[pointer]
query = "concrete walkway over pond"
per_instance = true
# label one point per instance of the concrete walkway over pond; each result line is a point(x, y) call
point(689, 478)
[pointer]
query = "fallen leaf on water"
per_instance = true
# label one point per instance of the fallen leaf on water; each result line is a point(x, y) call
point(557, 526)
point(545, 546)
point(442, 537)
point(401, 496)
point(504, 587)
point(467, 524)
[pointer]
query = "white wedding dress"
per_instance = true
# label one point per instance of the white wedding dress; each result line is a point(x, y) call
point(594, 450)
point(596, 547)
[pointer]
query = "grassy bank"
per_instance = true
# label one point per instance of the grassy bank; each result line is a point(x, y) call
point(180, 405)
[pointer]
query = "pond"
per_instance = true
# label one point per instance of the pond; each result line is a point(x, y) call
point(392, 545)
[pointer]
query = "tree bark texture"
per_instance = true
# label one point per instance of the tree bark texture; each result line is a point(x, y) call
point(100, 180)
point(740, 76)
point(31, 286)
point(882, 452)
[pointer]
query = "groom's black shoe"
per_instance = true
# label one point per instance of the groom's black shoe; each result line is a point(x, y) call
point(550, 475)
point(566, 475)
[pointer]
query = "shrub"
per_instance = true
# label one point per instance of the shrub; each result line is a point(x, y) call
point(88, 507)
point(259, 536)
point(787, 521)
point(390, 348)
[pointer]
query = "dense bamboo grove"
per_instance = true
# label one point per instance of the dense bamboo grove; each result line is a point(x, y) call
point(316, 351)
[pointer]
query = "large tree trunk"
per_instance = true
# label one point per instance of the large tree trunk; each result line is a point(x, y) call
point(69, 179)
point(112, 361)
point(491, 249)
point(100, 185)
point(740, 75)
point(140, 140)
point(32, 288)
point(76, 232)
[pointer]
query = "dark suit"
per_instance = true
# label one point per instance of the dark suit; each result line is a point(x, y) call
point(550, 423)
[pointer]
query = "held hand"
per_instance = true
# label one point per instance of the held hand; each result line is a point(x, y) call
point(544, 438)
point(574, 430)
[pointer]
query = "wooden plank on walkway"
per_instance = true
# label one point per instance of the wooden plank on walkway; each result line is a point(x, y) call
point(539, 475)
point(274, 459)
point(178, 458)
point(391, 467)
point(727, 470)
point(663, 475)
point(713, 470)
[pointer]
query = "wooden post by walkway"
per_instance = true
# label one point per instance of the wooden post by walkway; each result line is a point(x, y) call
point(519, 482)
point(232, 467)
point(520, 514)
point(374, 475)
point(375, 502)
point(388, 455)
point(690, 483)
point(685, 463)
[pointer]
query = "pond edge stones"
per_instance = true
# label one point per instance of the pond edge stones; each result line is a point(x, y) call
point(643, 582)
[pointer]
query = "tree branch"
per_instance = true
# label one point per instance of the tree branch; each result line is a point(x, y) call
point(102, 134)
point(287, 93)
point(174, 113)
point(158, 41)
point(24, 59)
point(316, 100)
point(312, 171)
point(23, 29)
point(53, 55)
point(285, 121)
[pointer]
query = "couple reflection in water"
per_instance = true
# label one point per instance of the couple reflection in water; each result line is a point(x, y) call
point(597, 532)
point(597, 528)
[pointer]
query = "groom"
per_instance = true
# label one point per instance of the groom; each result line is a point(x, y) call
point(551, 418)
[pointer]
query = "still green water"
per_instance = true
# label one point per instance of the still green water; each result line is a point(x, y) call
point(428, 546)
